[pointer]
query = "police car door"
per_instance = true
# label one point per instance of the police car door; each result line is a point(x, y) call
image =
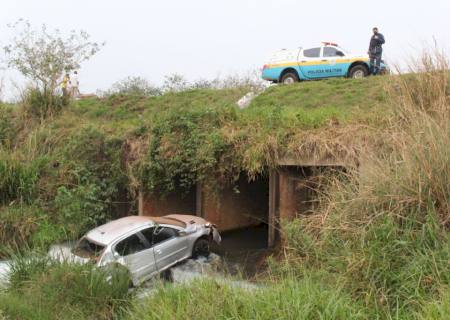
point(311, 64)
point(330, 59)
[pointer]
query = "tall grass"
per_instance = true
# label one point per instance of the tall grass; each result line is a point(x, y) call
point(44, 289)
point(308, 298)
point(385, 226)
point(18, 178)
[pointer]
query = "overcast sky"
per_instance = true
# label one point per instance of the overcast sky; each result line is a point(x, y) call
point(207, 38)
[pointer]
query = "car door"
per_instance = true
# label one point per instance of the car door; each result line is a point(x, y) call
point(136, 254)
point(311, 64)
point(168, 246)
point(330, 57)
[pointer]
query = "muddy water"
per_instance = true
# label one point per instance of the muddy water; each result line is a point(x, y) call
point(244, 250)
point(192, 270)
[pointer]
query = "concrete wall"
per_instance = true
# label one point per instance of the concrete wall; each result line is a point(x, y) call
point(174, 203)
point(296, 192)
point(244, 205)
point(287, 194)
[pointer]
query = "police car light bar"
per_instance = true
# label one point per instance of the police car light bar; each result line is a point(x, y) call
point(330, 44)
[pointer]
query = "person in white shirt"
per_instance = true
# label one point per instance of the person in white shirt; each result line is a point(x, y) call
point(74, 85)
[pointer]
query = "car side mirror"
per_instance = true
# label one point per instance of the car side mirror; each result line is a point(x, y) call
point(340, 53)
point(182, 233)
point(116, 255)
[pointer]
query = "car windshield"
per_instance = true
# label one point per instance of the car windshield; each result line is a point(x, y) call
point(345, 51)
point(88, 249)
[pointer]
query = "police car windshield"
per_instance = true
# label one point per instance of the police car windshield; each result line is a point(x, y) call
point(345, 51)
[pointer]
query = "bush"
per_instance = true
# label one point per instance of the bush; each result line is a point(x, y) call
point(7, 128)
point(24, 227)
point(134, 86)
point(42, 104)
point(80, 208)
point(18, 223)
point(19, 178)
point(44, 289)
point(184, 148)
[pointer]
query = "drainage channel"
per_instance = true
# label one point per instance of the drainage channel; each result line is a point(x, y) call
point(241, 252)
point(244, 250)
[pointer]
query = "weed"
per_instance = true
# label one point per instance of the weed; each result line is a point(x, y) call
point(44, 289)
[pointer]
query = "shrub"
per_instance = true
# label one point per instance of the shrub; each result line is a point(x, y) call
point(134, 86)
point(80, 208)
point(19, 178)
point(185, 148)
point(24, 227)
point(18, 223)
point(42, 104)
point(44, 289)
point(7, 128)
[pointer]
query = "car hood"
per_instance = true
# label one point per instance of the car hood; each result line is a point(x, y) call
point(358, 56)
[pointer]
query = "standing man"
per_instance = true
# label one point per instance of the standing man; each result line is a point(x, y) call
point(376, 51)
point(64, 85)
point(75, 85)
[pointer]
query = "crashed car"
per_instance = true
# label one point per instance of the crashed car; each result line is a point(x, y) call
point(325, 61)
point(145, 246)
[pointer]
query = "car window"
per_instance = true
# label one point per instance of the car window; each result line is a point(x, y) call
point(312, 53)
point(130, 245)
point(148, 234)
point(162, 234)
point(88, 249)
point(332, 52)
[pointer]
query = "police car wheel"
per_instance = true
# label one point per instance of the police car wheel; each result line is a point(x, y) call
point(289, 78)
point(358, 72)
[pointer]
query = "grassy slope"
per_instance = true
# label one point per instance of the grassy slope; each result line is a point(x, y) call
point(62, 176)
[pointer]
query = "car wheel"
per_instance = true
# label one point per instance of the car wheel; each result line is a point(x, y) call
point(289, 78)
point(201, 248)
point(358, 72)
point(167, 275)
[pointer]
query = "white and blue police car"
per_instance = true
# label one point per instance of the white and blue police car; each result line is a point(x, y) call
point(325, 61)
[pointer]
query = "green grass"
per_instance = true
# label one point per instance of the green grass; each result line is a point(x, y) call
point(43, 289)
point(77, 163)
point(308, 298)
point(377, 247)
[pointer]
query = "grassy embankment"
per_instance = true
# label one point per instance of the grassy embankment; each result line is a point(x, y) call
point(62, 175)
point(378, 246)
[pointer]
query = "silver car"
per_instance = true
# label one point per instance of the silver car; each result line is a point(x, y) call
point(146, 246)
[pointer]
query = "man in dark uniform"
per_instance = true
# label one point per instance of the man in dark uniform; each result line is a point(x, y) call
point(376, 51)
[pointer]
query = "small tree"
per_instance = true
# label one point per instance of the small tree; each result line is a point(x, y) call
point(135, 86)
point(43, 56)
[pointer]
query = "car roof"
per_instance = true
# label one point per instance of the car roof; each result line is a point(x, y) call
point(110, 231)
point(107, 233)
point(169, 220)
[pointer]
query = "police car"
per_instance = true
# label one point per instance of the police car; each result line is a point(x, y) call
point(325, 61)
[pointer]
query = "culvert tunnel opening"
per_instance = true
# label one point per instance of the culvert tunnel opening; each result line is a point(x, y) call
point(243, 212)
point(248, 212)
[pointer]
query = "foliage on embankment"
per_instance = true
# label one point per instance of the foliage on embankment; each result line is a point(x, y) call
point(377, 247)
point(44, 289)
point(384, 230)
point(79, 164)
